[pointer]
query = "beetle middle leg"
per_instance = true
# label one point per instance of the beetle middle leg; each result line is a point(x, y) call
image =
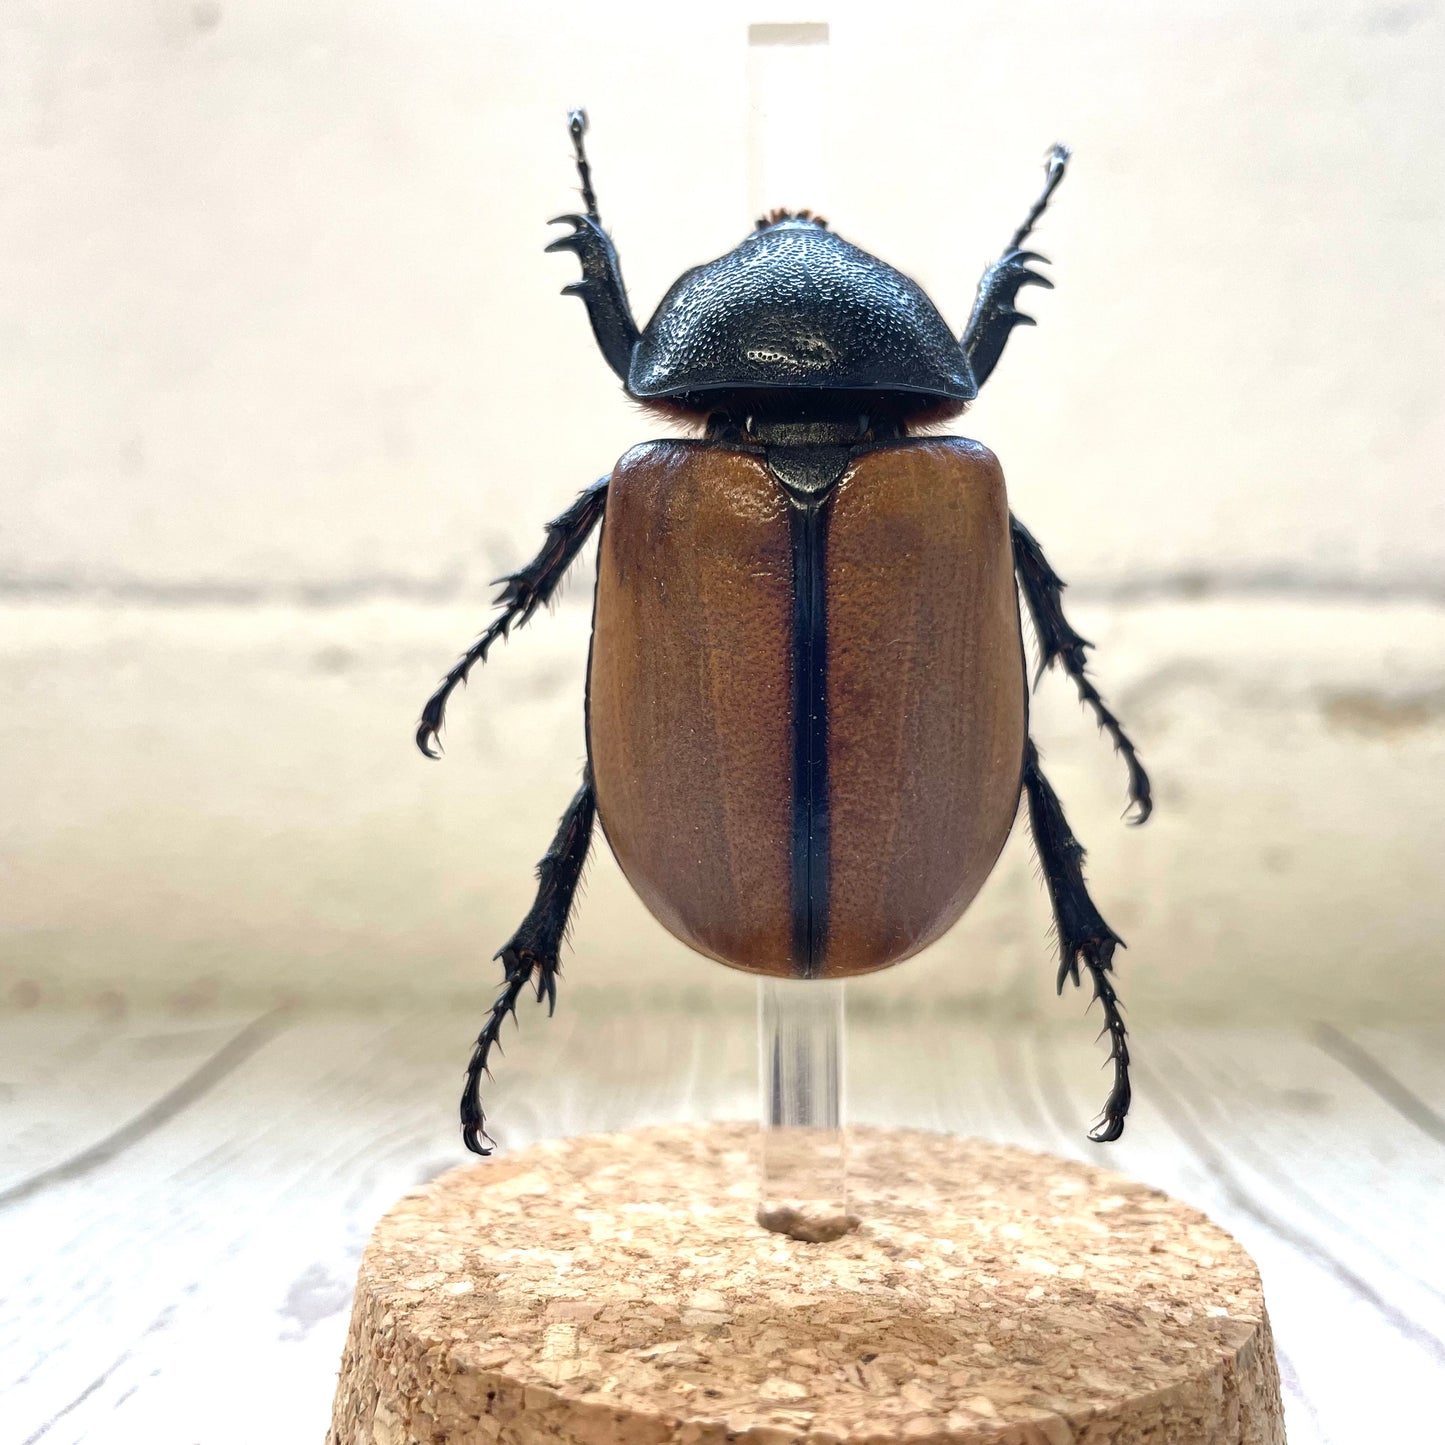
point(522, 594)
point(531, 955)
point(1043, 591)
point(1084, 937)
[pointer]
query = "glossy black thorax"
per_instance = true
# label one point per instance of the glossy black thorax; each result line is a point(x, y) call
point(796, 307)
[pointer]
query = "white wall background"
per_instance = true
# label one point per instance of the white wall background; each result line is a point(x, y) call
point(285, 380)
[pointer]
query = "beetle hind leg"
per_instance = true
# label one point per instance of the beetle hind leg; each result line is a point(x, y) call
point(532, 954)
point(1084, 938)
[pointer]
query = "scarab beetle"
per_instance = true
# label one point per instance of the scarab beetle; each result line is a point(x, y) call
point(807, 700)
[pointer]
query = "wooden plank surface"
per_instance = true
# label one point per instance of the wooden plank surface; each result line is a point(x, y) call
point(183, 1201)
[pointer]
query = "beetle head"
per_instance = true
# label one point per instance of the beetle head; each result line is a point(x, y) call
point(795, 308)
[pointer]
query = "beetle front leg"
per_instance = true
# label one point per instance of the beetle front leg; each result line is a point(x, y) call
point(1043, 590)
point(601, 287)
point(994, 313)
point(522, 594)
point(1084, 937)
point(601, 290)
point(531, 955)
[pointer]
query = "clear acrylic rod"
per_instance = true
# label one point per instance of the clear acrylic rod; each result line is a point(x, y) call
point(804, 1154)
point(800, 1022)
point(788, 82)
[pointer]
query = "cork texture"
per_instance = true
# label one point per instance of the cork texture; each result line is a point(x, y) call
point(617, 1289)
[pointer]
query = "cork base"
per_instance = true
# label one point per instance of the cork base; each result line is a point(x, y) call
point(617, 1289)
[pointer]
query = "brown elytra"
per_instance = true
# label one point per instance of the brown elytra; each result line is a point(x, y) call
point(780, 831)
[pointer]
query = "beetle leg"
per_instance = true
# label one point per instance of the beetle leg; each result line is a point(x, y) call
point(994, 313)
point(600, 288)
point(1084, 937)
point(521, 595)
point(601, 285)
point(577, 129)
point(1058, 642)
point(531, 954)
